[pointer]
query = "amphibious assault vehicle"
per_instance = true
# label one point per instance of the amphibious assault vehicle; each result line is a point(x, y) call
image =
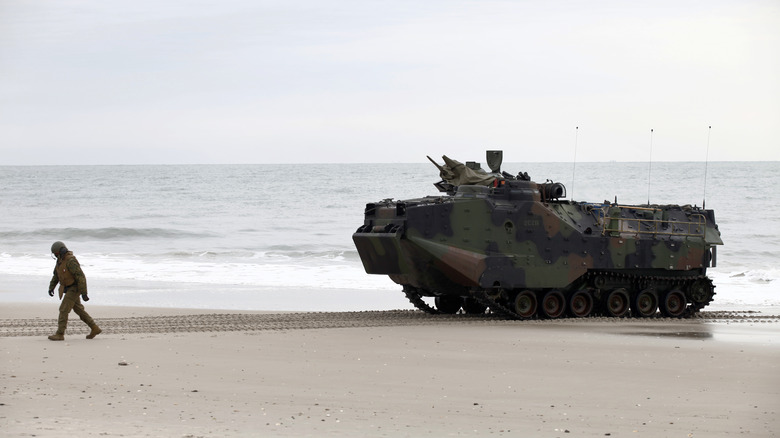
point(491, 240)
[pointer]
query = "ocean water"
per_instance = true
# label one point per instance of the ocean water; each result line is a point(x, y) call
point(278, 237)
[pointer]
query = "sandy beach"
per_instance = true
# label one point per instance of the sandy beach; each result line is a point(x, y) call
point(192, 373)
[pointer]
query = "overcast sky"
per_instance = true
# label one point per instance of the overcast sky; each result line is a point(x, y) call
point(253, 81)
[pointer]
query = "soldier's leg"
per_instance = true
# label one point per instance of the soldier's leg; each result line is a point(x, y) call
point(79, 310)
point(68, 301)
point(82, 313)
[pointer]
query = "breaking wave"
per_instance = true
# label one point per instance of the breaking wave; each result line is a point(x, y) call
point(109, 233)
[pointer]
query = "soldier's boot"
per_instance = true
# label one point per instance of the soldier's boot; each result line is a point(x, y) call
point(57, 337)
point(95, 331)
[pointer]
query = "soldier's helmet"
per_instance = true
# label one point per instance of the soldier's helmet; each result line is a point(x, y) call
point(57, 247)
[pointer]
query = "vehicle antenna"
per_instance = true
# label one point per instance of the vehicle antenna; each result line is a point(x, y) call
point(706, 162)
point(650, 166)
point(574, 164)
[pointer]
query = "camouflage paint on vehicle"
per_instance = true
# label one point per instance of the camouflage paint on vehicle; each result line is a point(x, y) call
point(506, 241)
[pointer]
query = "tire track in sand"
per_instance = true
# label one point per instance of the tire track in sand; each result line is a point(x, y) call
point(249, 322)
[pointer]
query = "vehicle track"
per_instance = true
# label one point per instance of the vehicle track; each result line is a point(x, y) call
point(246, 322)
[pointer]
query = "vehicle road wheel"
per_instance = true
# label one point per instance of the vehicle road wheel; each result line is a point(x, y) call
point(553, 304)
point(616, 304)
point(449, 304)
point(525, 304)
point(673, 305)
point(645, 304)
point(701, 291)
point(580, 304)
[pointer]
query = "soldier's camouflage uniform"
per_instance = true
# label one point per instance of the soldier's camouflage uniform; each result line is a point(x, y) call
point(73, 284)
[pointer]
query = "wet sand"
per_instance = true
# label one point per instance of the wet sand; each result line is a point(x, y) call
point(182, 372)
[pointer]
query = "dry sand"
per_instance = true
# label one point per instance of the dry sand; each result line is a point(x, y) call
point(185, 373)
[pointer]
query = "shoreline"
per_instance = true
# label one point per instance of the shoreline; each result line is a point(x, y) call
point(233, 297)
point(409, 376)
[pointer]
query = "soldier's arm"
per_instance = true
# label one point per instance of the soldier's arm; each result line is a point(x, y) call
point(54, 280)
point(81, 280)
